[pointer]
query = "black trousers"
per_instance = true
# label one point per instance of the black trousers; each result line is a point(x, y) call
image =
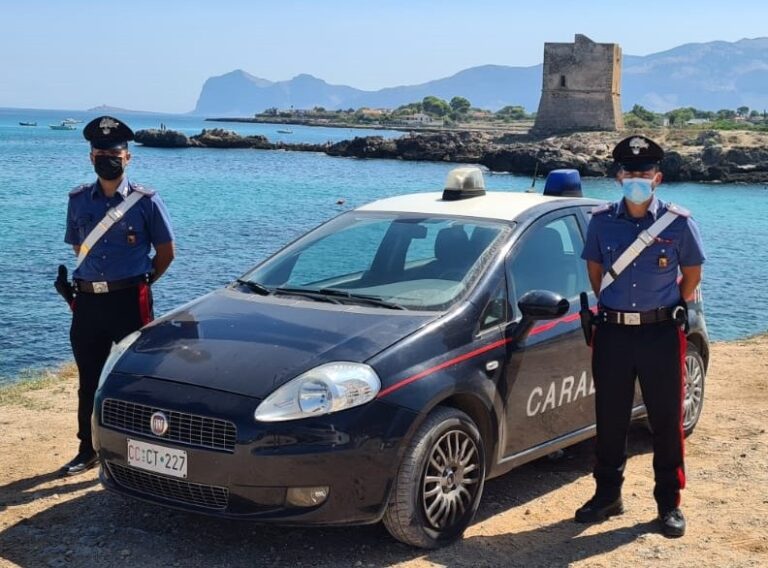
point(99, 321)
point(655, 355)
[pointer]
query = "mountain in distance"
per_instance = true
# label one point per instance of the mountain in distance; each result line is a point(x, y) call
point(112, 110)
point(708, 76)
point(238, 93)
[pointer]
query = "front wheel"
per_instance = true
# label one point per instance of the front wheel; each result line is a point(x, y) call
point(438, 487)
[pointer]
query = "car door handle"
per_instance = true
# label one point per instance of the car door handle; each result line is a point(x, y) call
point(491, 366)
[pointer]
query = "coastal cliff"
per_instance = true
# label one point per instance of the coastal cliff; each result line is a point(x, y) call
point(701, 156)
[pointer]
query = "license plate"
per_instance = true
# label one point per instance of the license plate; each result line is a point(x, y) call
point(159, 459)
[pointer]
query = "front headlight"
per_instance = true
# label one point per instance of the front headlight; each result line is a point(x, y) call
point(117, 351)
point(322, 390)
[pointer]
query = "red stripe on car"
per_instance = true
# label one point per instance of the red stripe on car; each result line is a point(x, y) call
point(461, 358)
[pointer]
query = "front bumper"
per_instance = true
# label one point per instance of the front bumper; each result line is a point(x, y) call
point(355, 453)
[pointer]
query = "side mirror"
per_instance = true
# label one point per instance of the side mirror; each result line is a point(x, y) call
point(543, 304)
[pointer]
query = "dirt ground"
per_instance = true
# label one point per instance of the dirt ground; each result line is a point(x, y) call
point(525, 518)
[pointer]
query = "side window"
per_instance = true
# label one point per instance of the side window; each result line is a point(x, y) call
point(549, 258)
point(496, 311)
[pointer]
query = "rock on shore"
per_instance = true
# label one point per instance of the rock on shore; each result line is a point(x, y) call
point(706, 156)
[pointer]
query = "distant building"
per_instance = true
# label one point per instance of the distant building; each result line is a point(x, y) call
point(581, 87)
point(418, 118)
point(372, 112)
point(479, 114)
point(697, 121)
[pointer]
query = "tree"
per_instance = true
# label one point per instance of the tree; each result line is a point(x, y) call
point(633, 121)
point(742, 111)
point(680, 116)
point(435, 106)
point(410, 108)
point(460, 105)
point(726, 114)
point(643, 113)
point(511, 112)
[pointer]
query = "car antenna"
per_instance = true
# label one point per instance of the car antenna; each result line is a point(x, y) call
point(533, 181)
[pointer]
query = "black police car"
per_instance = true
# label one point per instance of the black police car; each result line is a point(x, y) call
point(380, 367)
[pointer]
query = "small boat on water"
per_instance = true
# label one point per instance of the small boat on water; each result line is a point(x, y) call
point(63, 125)
point(283, 131)
point(27, 123)
point(71, 121)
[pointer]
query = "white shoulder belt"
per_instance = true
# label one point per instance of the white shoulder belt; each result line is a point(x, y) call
point(112, 217)
point(644, 239)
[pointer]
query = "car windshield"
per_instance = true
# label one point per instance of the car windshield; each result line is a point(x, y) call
point(413, 262)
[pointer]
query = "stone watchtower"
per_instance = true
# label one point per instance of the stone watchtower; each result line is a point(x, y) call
point(581, 89)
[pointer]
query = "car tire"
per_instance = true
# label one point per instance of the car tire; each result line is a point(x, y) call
point(440, 481)
point(693, 400)
point(695, 374)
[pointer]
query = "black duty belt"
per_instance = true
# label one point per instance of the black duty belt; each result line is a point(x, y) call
point(104, 287)
point(636, 318)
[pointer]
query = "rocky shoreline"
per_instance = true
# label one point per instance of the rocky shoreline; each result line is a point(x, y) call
point(700, 156)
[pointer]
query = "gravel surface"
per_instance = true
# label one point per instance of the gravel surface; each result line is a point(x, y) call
point(525, 518)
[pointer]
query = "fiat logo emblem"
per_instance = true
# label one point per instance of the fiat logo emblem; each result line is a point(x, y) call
point(158, 423)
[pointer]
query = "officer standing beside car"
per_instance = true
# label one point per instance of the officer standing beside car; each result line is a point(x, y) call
point(112, 225)
point(644, 260)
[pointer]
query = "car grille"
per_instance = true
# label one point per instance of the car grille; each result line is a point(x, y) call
point(200, 431)
point(208, 496)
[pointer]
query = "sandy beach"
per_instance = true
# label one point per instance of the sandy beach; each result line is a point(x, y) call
point(525, 518)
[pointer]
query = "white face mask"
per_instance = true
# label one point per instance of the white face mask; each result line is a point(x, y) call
point(637, 190)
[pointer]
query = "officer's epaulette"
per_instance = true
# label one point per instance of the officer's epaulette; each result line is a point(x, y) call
point(79, 189)
point(143, 190)
point(681, 211)
point(600, 209)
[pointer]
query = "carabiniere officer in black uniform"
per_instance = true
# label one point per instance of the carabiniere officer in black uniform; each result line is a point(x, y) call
point(639, 330)
point(112, 294)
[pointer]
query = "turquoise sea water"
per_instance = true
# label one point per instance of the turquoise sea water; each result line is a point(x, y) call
point(231, 208)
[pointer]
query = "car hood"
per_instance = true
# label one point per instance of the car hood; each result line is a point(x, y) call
point(249, 344)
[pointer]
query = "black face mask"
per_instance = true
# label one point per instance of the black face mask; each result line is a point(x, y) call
point(108, 167)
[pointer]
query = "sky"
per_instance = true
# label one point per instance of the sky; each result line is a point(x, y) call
point(155, 55)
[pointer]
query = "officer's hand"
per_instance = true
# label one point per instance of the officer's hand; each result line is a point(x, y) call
point(680, 315)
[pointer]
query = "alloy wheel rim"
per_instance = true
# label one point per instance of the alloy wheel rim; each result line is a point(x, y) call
point(694, 390)
point(451, 479)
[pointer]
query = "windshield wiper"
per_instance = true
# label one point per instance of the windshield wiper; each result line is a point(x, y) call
point(362, 298)
point(254, 287)
point(308, 293)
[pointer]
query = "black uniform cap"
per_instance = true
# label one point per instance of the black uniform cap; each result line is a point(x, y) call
point(107, 133)
point(638, 153)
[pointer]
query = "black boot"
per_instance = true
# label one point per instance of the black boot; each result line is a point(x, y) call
point(672, 523)
point(84, 460)
point(599, 508)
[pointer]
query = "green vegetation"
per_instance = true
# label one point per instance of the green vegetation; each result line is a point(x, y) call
point(692, 118)
point(21, 392)
point(431, 111)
